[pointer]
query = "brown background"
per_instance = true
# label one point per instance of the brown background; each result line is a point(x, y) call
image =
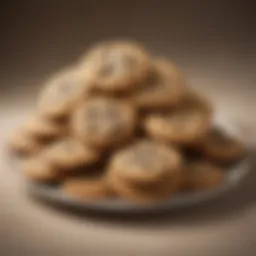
point(213, 41)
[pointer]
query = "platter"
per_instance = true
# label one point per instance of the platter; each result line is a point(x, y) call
point(233, 176)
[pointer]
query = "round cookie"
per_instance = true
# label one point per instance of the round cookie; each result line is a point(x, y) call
point(39, 169)
point(103, 122)
point(145, 161)
point(87, 188)
point(194, 99)
point(165, 87)
point(23, 143)
point(69, 154)
point(183, 125)
point(62, 92)
point(154, 190)
point(201, 174)
point(42, 127)
point(116, 66)
point(219, 146)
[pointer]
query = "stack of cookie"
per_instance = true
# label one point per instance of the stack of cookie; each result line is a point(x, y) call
point(122, 123)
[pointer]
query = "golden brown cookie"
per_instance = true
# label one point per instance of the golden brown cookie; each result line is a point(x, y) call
point(182, 125)
point(39, 169)
point(116, 66)
point(62, 92)
point(103, 122)
point(23, 143)
point(145, 161)
point(138, 191)
point(194, 99)
point(201, 174)
point(44, 128)
point(87, 188)
point(220, 146)
point(68, 154)
point(165, 87)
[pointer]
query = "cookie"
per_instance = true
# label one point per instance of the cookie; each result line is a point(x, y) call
point(165, 87)
point(116, 66)
point(219, 146)
point(38, 169)
point(61, 93)
point(194, 99)
point(87, 188)
point(44, 128)
point(183, 125)
point(68, 154)
point(145, 161)
point(154, 190)
point(103, 122)
point(201, 174)
point(23, 143)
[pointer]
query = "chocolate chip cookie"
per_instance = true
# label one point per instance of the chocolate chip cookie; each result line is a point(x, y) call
point(68, 154)
point(201, 174)
point(87, 188)
point(104, 122)
point(220, 146)
point(62, 92)
point(165, 87)
point(44, 128)
point(39, 169)
point(182, 125)
point(145, 161)
point(23, 143)
point(116, 66)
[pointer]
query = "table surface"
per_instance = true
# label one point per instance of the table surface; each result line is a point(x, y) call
point(224, 70)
